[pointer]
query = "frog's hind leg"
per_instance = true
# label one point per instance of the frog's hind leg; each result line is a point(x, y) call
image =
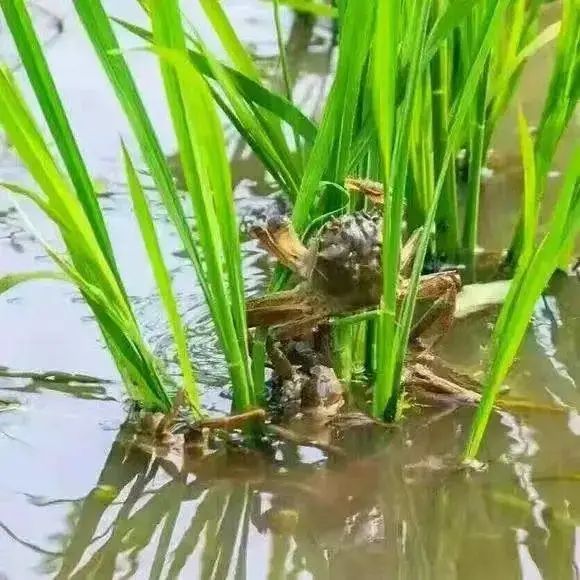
point(291, 313)
point(373, 190)
point(443, 288)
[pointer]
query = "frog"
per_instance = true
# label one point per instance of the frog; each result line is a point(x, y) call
point(339, 273)
point(301, 384)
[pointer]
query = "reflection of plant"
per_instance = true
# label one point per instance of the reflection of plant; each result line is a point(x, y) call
point(398, 511)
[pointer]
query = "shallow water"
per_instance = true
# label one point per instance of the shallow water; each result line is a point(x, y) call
point(76, 502)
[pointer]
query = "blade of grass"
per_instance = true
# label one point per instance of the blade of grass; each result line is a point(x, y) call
point(100, 32)
point(447, 20)
point(237, 53)
point(559, 106)
point(447, 216)
point(530, 280)
point(234, 48)
point(9, 281)
point(29, 49)
point(529, 203)
point(284, 67)
point(134, 361)
point(163, 280)
point(476, 159)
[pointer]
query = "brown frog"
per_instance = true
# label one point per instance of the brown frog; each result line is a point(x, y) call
point(310, 388)
point(340, 273)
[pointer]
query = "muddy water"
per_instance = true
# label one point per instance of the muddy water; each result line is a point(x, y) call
point(74, 502)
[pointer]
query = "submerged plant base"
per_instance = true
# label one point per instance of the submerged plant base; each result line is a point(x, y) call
point(307, 407)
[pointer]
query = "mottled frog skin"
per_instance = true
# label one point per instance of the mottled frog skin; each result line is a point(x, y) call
point(301, 384)
point(346, 263)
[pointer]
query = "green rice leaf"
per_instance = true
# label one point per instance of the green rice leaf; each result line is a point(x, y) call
point(548, 35)
point(9, 281)
point(163, 280)
point(251, 90)
point(529, 199)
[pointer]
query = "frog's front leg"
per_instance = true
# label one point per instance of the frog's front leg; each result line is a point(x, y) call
point(278, 237)
point(442, 290)
point(280, 363)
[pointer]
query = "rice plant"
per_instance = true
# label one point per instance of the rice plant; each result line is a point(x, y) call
point(70, 203)
point(536, 264)
point(213, 248)
point(395, 326)
point(401, 109)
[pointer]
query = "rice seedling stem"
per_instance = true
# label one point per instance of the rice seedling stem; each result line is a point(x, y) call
point(476, 157)
point(447, 217)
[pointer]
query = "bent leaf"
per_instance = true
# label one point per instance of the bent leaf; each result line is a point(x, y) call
point(9, 281)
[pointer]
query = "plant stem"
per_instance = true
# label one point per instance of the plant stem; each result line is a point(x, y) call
point(476, 155)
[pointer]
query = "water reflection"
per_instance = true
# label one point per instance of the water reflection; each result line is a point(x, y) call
point(398, 507)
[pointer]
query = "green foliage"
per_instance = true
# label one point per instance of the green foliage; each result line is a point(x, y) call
point(400, 109)
point(214, 250)
point(395, 328)
point(87, 264)
point(535, 267)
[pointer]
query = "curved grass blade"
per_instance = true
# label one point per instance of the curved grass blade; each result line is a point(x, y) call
point(530, 280)
point(163, 280)
point(251, 90)
point(9, 281)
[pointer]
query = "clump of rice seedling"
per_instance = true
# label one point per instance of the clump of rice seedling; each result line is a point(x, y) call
point(400, 109)
point(87, 264)
point(536, 264)
point(213, 247)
